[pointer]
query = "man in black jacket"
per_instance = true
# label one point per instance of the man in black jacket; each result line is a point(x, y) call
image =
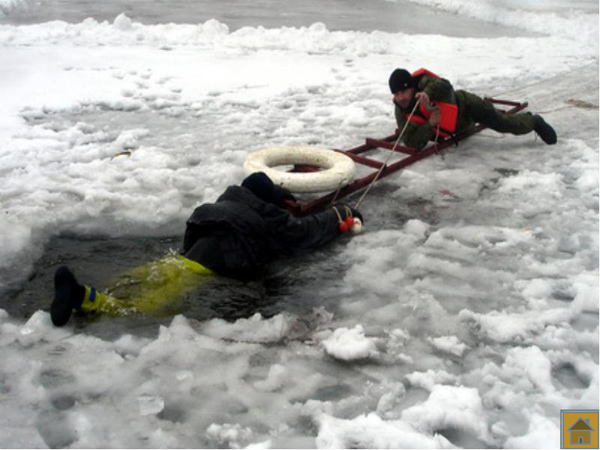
point(246, 229)
point(236, 236)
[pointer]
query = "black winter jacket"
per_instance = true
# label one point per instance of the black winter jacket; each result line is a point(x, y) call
point(249, 233)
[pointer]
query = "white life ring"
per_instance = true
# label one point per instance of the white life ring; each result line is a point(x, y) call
point(338, 168)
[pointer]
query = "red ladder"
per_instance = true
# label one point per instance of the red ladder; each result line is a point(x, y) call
point(302, 209)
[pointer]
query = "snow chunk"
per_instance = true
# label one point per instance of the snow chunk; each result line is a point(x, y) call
point(376, 267)
point(318, 28)
point(316, 408)
point(399, 336)
point(130, 345)
point(128, 140)
point(213, 27)
point(449, 344)
point(150, 404)
point(505, 327)
point(397, 339)
point(350, 345)
point(390, 400)
point(396, 345)
point(162, 439)
point(275, 379)
point(39, 327)
point(450, 407)
point(230, 434)
point(428, 380)
point(259, 445)
point(527, 181)
point(587, 296)
point(542, 433)
point(371, 431)
point(122, 22)
point(14, 240)
point(533, 364)
point(253, 329)
point(417, 228)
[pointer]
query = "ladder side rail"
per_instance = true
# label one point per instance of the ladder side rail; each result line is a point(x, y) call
point(322, 202)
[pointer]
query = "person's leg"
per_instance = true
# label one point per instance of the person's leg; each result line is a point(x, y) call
point(163, 282)
point(96, 302)
point(145, 289)
point(483, 112)
point(70, 295)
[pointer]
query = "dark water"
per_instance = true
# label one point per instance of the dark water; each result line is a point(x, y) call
point(294, 286)
point(359, 15)
point(286, 286)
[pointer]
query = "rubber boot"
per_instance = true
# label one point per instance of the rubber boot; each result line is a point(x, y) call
point(68, 295)
point(544, 130)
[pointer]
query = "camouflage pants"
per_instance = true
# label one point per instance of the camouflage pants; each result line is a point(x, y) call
point(477, 110)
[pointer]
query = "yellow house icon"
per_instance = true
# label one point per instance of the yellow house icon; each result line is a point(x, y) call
point(580, 433)
point(579, 428)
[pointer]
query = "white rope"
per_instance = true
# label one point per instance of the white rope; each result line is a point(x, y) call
point(388, 158)
point(437, 135)
point(336, 193)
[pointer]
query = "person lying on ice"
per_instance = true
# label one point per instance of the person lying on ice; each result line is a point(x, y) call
point(452, 112)
point(235, 237)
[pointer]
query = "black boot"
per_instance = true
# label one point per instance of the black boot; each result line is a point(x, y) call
point(544, 130)
point(68, 295)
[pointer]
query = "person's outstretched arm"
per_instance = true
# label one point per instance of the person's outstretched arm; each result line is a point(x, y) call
point(310, 232)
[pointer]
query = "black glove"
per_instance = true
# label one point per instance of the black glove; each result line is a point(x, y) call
point(284, 194)
point(357, 214)
point(287, 195)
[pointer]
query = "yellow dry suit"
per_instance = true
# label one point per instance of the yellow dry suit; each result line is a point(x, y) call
point(148, 288)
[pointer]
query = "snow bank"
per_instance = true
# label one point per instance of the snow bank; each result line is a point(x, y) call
point(529, 15)
point(212, 33)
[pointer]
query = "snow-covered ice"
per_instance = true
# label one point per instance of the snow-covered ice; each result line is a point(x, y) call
point(466, 315)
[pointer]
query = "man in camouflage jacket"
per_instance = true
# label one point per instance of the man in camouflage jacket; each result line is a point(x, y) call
point(425, 87)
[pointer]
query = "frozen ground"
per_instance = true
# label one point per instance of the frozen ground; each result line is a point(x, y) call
point(466, 316)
